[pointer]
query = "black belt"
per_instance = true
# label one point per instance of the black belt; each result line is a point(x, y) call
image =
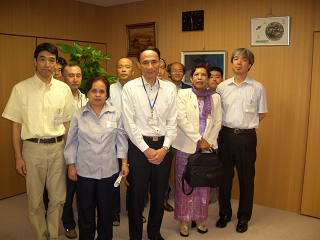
point(48, 140)
point(153, 139)
point(239, 131)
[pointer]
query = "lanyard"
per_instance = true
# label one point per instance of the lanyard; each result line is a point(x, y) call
point(151, 106)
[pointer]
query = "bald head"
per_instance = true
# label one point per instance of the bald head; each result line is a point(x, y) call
point(125, 70)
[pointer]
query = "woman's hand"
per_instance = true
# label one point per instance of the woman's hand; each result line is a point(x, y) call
point(204, 145)
point(72, 172)
point(124, 170)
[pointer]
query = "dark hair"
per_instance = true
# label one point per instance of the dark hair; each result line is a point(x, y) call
point(51, 48)
point(148, 48)
point(91, 80)
point(61, 61)
point(69, 65)
point(169, 67)
point(217, 69)
point(165, 64)
point(200, 65)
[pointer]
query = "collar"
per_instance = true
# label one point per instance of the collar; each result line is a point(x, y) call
point(41, 85)
point(247, 80)
point(106, 108)
point(146, 83)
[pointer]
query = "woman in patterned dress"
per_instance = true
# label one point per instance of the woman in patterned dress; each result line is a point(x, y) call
point(199, 122)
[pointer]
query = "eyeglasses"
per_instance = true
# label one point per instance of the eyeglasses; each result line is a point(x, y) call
point(177, 71)
point(196, 75)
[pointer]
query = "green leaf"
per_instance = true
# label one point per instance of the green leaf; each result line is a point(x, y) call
point(107, 57)
point(66, 49)
point(112, 79)
point(79, 47)
point(101, 69)
point(89, 46)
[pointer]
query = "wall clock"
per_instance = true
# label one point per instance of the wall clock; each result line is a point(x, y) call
point(193, 20)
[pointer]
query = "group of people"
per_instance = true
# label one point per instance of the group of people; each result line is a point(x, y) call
point(132, 129)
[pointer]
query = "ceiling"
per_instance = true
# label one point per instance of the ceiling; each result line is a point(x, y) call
point(109, 3)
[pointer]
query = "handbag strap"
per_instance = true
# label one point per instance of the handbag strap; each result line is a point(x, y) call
point(183, 177)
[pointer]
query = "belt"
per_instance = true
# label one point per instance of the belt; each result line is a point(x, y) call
point(153, 139)
point(47, 140)
point(239, 131)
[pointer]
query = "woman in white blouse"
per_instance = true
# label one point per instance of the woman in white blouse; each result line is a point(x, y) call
point(199, 122)
point(96, 140)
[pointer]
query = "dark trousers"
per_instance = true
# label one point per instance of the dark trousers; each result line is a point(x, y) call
point(237, 150)
point(142, 172)
point(92, 194)
point(116, 198)
point(67, 216)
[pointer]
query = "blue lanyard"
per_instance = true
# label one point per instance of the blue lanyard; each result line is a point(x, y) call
point(151, 106)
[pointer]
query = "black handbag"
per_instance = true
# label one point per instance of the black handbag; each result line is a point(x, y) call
point(203, 170)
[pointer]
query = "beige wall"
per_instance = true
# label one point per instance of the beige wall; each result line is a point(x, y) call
point(285, 71)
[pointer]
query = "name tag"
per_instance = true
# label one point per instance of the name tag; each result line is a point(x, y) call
point(57, 120)
point(152, 121)
point(111, 125)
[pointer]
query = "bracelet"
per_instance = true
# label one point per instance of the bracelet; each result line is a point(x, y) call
point(127, 164)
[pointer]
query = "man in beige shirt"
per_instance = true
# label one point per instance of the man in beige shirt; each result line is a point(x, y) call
point(40, 109)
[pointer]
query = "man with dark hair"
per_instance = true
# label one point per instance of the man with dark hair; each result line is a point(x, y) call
point(215, 78)
point(176, 72)
point(57, 72)
point(149, 107)
point(40, 109)
point(72, 76)
point(244, 105)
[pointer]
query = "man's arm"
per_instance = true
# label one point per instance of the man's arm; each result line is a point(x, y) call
point(16, 140)
point(261, 116)
point(66, 126)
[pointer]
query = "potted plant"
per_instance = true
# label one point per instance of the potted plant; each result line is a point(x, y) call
point(87, 59)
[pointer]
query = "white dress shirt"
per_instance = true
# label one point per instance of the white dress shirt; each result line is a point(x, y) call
point(136, 111)
point(94, 144)
point(242, 104)
point(82, 100)
point(115, 95)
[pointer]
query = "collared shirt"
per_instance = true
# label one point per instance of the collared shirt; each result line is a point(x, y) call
point(94, 144)
point(242, 104)
point(82, 100)
point(40, 109)
point(115, 95)
point(137, 110)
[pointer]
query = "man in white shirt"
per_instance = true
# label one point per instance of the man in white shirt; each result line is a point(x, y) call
point(40, 109)
point(149, 107)
point(71, 74)
point(125, 71)
point(244, 105)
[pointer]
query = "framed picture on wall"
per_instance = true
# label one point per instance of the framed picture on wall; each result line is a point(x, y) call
point(209, 58)
point(140, 36)
point(270, 31)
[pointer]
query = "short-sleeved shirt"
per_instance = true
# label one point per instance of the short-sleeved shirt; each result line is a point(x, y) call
point(40, 109)
point(242, 104)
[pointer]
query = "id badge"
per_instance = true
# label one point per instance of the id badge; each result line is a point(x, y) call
point(58, 120)
point(152, 121)
point(111, 124)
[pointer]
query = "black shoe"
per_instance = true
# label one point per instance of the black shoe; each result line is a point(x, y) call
point(168, 207)
point(222, 222)
point(116, 220)
point(242, 226)
point(201, 229)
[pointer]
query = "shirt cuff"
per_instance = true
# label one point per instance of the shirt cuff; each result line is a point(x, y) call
point(122, 155)
point(167, 142)
point(70, 161)
point(143, 146)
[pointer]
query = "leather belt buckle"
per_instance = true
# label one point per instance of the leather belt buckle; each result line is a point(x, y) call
point(155, 139)
point(236, 131)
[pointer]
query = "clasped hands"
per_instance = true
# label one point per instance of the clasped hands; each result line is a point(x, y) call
point(155, 156)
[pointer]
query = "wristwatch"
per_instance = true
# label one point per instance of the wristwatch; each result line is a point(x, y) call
point(165, 148)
